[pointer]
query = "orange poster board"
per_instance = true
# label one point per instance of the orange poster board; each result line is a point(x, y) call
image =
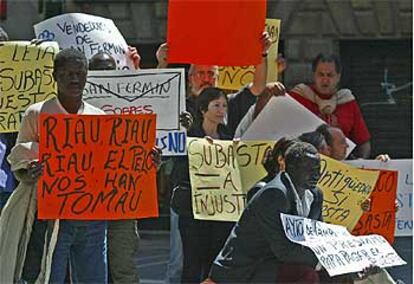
point(381, 218)
point(225, 33)
point(97, 167)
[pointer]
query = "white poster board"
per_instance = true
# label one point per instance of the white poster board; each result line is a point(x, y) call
point(159, 91)
point(404, 217)
point(336, 249)
point(90, 34)
point(284, 116)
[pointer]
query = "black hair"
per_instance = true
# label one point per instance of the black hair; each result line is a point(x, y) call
point(321, 57)
point(270, 162)
point(67, 55)
point(324, 130)
point(315, 138)
point(205, 97)
point(299, 154)
point(3, 35)
point(99, 59)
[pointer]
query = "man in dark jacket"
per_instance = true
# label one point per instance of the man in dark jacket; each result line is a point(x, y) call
point(257, 243)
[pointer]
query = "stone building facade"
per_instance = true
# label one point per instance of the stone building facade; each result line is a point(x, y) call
point(373, 38)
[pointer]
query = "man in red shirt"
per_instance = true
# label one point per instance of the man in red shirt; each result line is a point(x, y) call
point(337, 107)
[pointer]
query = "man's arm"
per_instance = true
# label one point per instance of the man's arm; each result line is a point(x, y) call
point(260, 73)
point(270, 204)
point(28, 133)
point(272, 89)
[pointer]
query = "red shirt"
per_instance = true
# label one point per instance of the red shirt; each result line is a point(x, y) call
point(348, 118)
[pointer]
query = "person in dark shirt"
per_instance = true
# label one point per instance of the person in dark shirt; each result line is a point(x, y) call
point(201, 239)
point(257, 244)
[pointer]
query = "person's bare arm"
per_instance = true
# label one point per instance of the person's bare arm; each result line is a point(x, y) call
point(272, 89)
point(260, 73)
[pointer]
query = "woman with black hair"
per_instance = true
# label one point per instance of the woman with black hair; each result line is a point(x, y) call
point(201, 240)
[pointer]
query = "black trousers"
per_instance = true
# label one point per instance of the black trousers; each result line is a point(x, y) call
point(202, 241)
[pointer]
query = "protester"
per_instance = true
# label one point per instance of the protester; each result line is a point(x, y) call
point(335, 140)
point(273, 162)
point(332, 143)
point(337, 148)
point(201, 240)
point(123, 237)
point(257, 244)
point(199, 78)
point(317, 140)
point(204, 76)
point(337, 144)
point(337, 107)
point(79, 243)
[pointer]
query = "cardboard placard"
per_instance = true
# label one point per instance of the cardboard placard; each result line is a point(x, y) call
point(97, 167)
point(26, 77)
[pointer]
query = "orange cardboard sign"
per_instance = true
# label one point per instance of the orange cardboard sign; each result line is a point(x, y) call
point(225, 33)
point(381, 218)
point(97, 167)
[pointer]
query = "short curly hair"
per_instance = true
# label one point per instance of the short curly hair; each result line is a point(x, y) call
point(67, 55)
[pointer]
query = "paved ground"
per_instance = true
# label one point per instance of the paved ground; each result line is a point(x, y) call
point(154, 249)
point(153, 257)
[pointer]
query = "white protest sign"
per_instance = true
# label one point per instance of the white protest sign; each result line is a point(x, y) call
point(159, 91)
point(90, 34)
point(404, 218)
point(284, 116)
point(337, 250)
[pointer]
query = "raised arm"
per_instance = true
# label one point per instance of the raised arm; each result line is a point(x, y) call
point(260, 73)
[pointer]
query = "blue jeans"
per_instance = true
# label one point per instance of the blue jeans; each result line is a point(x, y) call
point(175, 262)
point(83, 245)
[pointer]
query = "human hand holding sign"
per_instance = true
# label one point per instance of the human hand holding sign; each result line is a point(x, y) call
point(32, 172)
point(186, 119)
point(156, 154)
point(134, 56)
point(266, 42)
point(162, 55)
point(275, 89)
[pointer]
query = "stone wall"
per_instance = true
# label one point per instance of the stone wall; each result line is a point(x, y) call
point(313, 26)
point(308, 26)
point(21, 16)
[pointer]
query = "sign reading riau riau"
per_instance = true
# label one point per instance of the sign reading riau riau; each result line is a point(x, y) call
point(159, 91)
point(97, 167)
